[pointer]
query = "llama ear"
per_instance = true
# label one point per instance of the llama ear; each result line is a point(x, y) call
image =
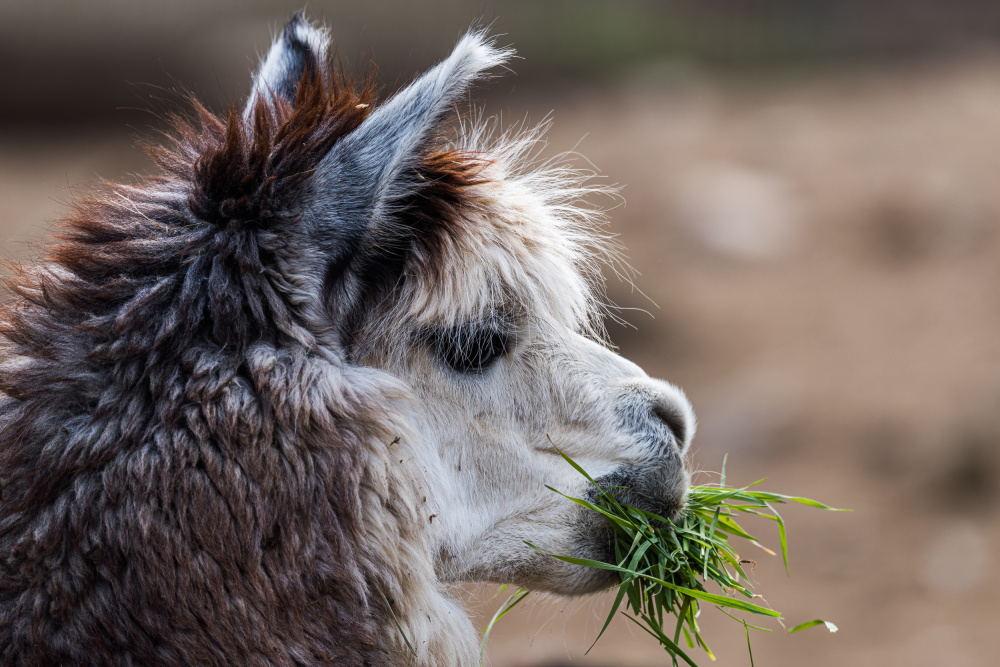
point(371, 168)
point(301, 47)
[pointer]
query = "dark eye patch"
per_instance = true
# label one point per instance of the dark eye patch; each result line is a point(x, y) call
point(472, 348)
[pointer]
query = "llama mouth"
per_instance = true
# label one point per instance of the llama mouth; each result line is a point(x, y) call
point(661, 491)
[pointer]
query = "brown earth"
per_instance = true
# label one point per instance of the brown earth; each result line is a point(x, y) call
point(824, 253)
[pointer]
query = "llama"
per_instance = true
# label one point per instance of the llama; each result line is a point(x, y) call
point(266, 406)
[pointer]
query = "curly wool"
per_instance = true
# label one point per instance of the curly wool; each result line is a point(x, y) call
point(182, 470)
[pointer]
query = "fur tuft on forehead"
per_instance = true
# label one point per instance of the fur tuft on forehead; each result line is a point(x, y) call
point(224, 207)
point(248, 172)
point(535, 226)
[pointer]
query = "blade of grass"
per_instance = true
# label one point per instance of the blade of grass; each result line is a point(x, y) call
point(511, 602)
point(740, 620)
point(396, 621)
point(673, 648)
point(813, 623)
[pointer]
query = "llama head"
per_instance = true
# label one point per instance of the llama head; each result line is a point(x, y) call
point(306, 375)
point(466, 272)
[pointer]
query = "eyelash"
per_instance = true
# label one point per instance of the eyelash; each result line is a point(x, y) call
point(472, 349)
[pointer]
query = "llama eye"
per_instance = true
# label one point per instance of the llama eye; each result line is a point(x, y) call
point(469, 350)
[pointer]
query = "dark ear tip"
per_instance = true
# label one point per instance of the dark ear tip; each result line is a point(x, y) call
point(298, 17)
point(291, 31)
point(301, 35)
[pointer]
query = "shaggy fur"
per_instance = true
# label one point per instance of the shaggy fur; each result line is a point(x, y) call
point(180, 481)
point(237, 393)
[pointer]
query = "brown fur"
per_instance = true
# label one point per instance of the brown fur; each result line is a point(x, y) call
point(444, 203)
point(176, 486)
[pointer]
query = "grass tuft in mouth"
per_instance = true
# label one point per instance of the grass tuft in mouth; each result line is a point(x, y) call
point(664, 565)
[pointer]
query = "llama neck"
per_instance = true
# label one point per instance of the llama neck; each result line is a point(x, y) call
point(439, 631)
point(397, 505)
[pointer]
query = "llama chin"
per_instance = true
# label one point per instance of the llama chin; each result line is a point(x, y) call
point(267, 405)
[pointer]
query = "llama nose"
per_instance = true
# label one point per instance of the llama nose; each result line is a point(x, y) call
point(658, 413)
point(674, 417)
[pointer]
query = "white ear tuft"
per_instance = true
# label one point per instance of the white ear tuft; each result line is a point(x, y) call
point(300, 47)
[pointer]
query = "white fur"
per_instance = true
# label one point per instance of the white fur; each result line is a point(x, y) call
point(480, 445)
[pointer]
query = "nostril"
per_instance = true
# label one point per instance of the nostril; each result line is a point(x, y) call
point(649, 408)
point(674, 419)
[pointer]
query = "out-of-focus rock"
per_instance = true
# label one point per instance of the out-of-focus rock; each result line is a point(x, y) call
point(738, 212)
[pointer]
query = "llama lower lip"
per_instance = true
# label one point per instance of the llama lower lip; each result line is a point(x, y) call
point(659, 491)
point(597, 537)
point(597, 540)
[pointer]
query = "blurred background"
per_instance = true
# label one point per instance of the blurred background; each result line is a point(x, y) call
point(812, 204)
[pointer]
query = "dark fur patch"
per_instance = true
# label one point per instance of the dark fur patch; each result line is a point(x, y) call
point(443, 202)
point(165, 496)
point(427, 220)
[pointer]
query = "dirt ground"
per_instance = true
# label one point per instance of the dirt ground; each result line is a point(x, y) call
point(824, 256)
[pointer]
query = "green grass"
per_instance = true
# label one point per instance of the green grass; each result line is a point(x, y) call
point(664, 566)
